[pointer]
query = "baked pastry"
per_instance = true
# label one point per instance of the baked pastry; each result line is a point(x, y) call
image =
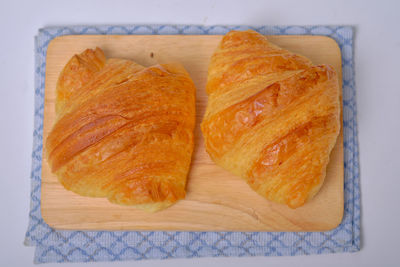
point(123, 131)
point(272, 117)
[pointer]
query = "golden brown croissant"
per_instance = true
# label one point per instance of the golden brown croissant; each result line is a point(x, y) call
point(272, 117)
point(123, 131)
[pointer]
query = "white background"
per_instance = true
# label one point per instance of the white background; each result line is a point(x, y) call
point(377, 57)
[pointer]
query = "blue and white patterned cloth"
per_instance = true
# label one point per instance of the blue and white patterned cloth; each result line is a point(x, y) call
point(76, 246)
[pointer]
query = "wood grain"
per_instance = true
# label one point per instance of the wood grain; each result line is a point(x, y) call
point(216, 200)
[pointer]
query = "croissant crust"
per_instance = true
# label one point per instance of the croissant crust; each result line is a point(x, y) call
point(123, 131)
point(272, 117)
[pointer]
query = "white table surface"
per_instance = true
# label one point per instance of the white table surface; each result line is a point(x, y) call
point(377, 57)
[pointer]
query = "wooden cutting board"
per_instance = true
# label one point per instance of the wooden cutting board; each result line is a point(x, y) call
point(216, 199)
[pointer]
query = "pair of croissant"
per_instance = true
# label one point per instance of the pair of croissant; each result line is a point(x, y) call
point(125, 132)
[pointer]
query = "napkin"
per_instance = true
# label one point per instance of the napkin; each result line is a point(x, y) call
point(86, 246)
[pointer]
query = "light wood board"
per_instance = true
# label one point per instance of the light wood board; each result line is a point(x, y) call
point(216, 200)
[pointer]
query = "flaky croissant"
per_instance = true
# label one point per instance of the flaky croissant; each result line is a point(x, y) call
point(272, 117)
point(123, 131)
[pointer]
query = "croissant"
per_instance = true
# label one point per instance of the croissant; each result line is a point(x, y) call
point(123, 132)
point(272, 117)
